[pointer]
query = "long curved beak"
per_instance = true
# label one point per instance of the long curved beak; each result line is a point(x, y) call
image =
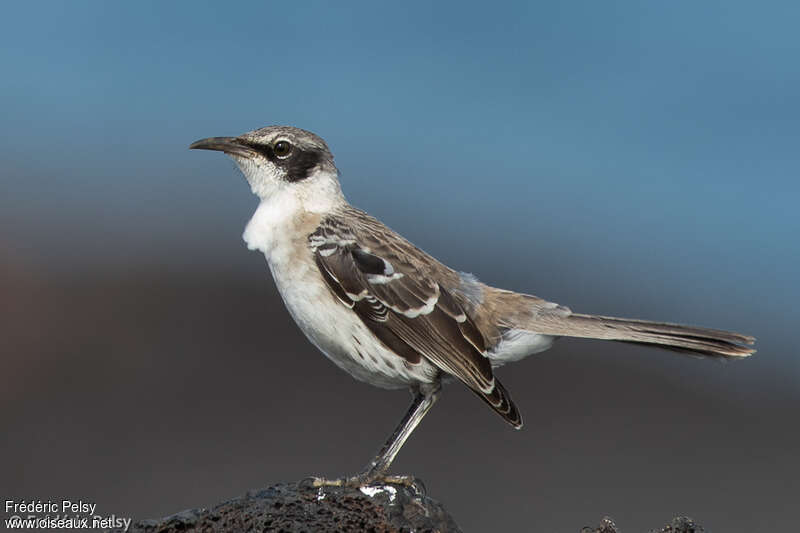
point(229, 145)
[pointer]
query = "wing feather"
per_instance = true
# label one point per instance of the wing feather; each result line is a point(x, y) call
point(403, 304)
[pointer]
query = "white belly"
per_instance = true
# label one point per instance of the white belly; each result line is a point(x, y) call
point(340, 334)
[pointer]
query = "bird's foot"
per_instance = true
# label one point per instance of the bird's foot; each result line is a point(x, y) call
point(366, 479)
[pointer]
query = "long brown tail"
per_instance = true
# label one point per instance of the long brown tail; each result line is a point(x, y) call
point(691, 339)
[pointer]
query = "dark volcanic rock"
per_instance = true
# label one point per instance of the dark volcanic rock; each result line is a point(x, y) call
point(679, 524)
point(606, 526)
point(293, 507)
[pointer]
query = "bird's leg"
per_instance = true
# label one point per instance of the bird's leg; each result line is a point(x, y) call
point(376, 469)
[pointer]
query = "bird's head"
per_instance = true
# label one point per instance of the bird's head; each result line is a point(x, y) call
point(282, 160)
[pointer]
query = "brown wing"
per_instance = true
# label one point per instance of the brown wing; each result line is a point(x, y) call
point(392, 287)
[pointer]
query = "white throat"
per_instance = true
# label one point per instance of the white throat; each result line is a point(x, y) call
point(285, 206)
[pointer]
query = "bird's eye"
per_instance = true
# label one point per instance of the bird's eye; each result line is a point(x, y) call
point(282, 148)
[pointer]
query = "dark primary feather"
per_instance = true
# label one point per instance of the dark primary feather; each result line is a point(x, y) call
point(411, 313)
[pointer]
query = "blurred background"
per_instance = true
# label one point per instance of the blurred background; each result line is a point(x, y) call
point(621, 158)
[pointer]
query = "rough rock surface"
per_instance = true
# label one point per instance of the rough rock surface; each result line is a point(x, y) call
point(294, 507)
point(679, 524)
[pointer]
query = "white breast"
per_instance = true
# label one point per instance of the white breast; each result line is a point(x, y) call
point(272, 219)
point(331, 326)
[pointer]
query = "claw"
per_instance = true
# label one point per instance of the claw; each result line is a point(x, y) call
point(365, 480)
point(314, 482)
point(412, 482)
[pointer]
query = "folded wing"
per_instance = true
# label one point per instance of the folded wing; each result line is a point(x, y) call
point(405, 307)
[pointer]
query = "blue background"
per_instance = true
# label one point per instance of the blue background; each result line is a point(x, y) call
point(621, 158)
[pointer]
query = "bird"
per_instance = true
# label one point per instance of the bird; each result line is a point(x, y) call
point(390, 314)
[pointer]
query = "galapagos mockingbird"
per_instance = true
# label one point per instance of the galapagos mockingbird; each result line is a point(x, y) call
point(388, 313)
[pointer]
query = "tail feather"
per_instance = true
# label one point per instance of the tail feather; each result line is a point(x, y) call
point(691, 339)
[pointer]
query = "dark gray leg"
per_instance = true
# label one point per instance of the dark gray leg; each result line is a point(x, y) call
point(420, 406)
point(376, 469)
